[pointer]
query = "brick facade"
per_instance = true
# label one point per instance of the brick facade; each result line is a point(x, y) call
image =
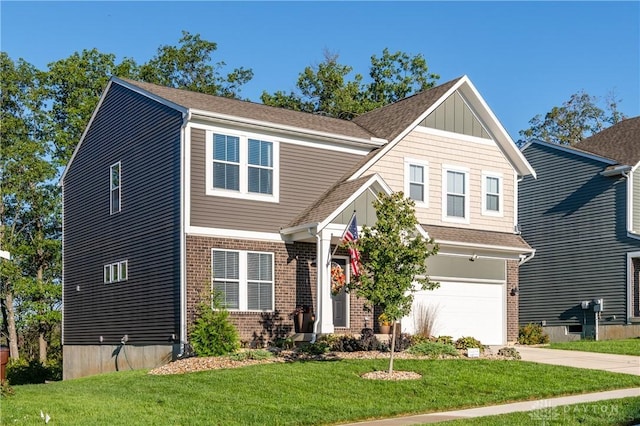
point(295, 285)
point(512, 301)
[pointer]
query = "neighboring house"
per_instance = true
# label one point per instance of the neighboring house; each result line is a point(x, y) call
point(171, 193)
point(582, 214)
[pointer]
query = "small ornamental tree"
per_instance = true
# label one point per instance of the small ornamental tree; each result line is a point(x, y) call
point(394, 255)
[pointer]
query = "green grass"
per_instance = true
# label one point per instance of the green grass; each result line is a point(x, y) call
point(614, 412)
point(620, 347)
point(301, 393)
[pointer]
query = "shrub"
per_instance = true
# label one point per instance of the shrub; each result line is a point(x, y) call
point(22, 372)
point(213, 334)
point(256, 354)
point(433, 349)
point(468, 342)
point(425, 319)
point(369, 341)
point(316, 348)
point(509, 353)
point(6, 390)
point(447, 340)
point(341, 342)
point(532, 334)
point(283, 343)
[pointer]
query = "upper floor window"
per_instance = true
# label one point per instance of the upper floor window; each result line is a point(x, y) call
point(244, 280)
point(492, 194)
point(242, 166)
point(115, 184)
point(415, 181)
point(115, 272)
point(456, 194)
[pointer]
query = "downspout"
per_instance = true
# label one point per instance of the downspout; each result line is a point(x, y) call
point(629, 304)
point(186, 118)
point(318, 286)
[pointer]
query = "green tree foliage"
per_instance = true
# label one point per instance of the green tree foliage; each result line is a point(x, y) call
point(188, 66)
point(577, 119)
point(395, 256)
point(328, 89)
point(213, 334)
point(30, 208)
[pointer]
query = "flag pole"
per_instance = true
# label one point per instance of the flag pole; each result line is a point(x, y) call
point(343, 234)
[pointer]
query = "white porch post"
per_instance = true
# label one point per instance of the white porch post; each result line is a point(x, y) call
point(324, 267)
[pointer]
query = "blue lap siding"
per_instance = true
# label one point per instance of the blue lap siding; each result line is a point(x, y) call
point(575, 218)
point(145, 137)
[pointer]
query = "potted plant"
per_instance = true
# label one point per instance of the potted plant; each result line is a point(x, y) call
point(385, 323)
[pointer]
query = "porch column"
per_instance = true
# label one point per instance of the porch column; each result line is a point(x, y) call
point(324, 268)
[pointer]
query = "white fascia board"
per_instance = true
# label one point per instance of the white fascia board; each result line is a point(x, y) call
point(504, 141)
point(374, 178)
point(233, 234)
point(488, 247)
point(369, 143)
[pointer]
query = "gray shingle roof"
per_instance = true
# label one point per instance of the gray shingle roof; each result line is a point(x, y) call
point(389, 121)
point(474, 236)
point(254, 111)
point(328, 202)
point(620, 142)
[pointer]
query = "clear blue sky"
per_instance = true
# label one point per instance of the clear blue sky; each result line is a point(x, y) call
point(523, 57)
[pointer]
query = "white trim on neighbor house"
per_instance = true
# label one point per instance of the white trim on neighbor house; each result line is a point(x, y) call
point(115, 272)
point(500, 194)
point(372, 142)
point(185, 211)
point(446, 168)
point(569, 150)
point(233, 234)
point(629, 305)
point(243, 164)
point(408, 162)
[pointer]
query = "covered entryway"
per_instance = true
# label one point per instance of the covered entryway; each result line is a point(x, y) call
point(340, 301)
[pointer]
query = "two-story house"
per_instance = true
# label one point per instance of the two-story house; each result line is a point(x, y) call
point(171, 193)
point(582, 215)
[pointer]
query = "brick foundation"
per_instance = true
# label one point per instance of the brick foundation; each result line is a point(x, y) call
point(512, 301)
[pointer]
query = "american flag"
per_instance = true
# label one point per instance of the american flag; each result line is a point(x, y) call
point(351, 236)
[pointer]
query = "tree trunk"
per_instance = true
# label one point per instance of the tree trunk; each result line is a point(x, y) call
point(393, 347)
point(43, 347)
point(11, 325)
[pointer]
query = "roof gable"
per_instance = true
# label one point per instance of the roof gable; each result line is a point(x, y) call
point(395, 121)
point(455, 115)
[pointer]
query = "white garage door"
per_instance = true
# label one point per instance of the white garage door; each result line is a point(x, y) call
point(462, 309)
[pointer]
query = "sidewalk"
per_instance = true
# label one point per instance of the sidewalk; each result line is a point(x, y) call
point(500, 409)
point(614, 363)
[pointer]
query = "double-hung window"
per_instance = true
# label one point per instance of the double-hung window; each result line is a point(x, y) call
point(492, 194)
point(114, 185)
point(242, 166)
point(115, 272)
point(455, 194)
point(416, 182)
point(243, 280)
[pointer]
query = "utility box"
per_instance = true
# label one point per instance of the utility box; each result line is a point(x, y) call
point(598, 305)
point(585, 304)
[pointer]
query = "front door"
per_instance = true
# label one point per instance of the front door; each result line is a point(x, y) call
point(341, 300)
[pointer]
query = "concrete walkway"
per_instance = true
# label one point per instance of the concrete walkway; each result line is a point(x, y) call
point(614, 363)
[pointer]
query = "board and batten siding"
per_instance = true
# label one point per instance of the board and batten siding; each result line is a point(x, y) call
point(438, 151)
point(145, 137)
point(305, 174)
point(575, 218)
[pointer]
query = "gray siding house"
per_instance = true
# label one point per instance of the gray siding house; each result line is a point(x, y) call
point(582, 214)
point(171, 193)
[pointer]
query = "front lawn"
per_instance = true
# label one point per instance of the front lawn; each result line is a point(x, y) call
point(620, 347)
point(613, 412)
point(299, 393)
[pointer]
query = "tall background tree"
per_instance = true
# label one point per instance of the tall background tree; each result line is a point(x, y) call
point(578, 118)
point(328, 89)
point(44, 114)
point(394, 256)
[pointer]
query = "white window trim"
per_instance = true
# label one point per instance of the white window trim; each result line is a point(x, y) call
point(465, 170)
point(111, 268)
point(495, 175)
point(408, 162)
point(119, 188)
point(243, 192)
point(243, 280)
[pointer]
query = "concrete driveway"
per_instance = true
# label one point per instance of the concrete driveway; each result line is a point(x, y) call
point(596, 361)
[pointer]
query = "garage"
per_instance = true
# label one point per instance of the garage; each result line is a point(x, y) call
point(460, 309)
